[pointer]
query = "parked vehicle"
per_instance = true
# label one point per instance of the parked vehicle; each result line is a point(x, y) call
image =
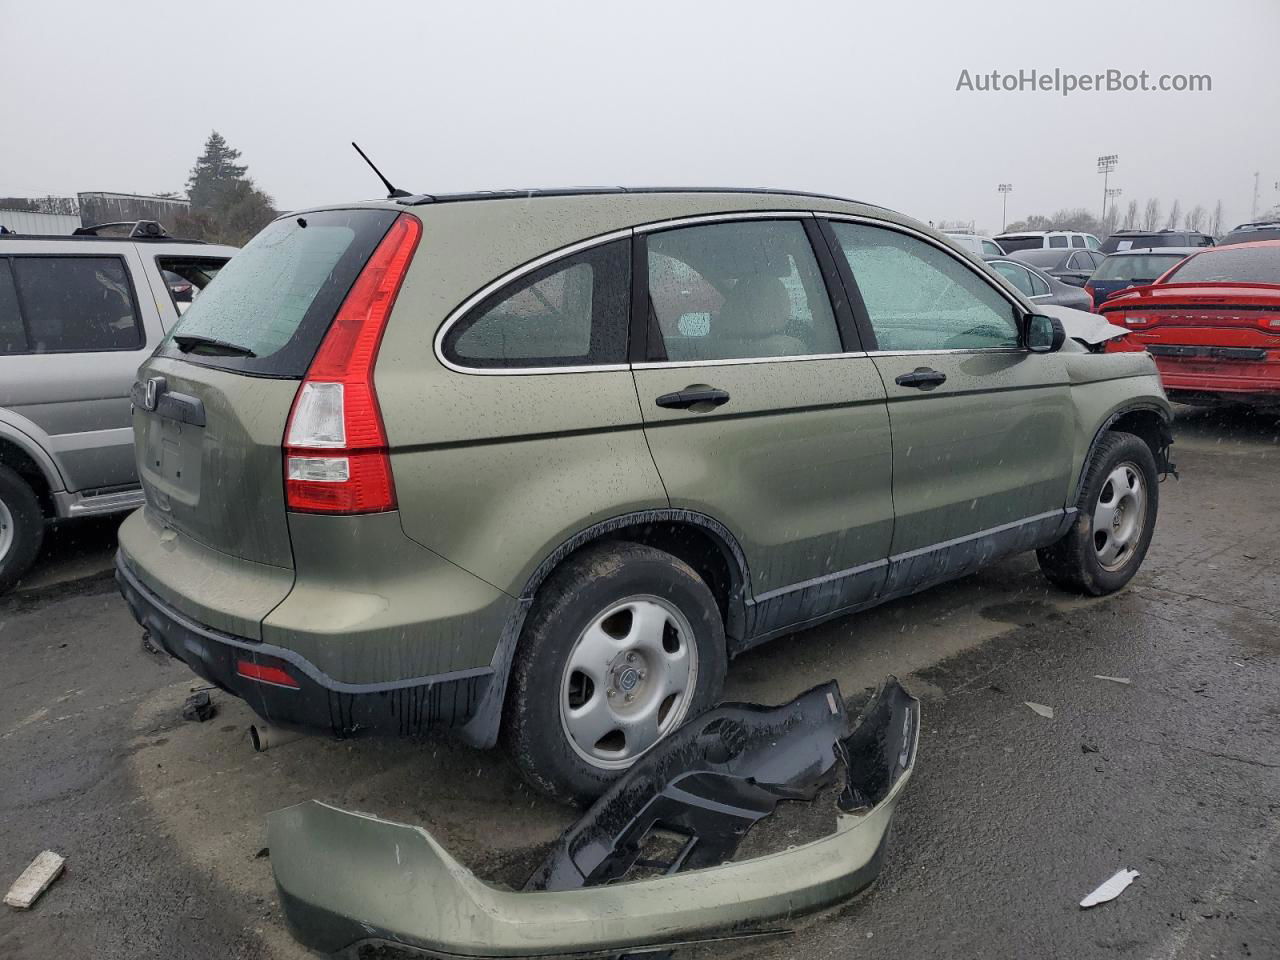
point(1151, 239)
point(179, 289)
point(1048, 239)
point(439, 461)
point(1038, 286)
point(1212, 323)
point(1133, 268)
point(1251, 232)
point(975, 243)
point(1070, 266)
point(77, 316)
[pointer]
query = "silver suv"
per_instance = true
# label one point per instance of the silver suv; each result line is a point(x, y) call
point(78, 315)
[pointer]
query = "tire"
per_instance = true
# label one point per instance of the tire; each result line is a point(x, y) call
point(1105, 547)
point(21, 527)
point(612, 631)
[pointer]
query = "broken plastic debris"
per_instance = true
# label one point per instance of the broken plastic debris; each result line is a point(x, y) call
point(1040, 708)
point(199, 707)
point(35, 880)
point(1124, 680)
point(1111, 889)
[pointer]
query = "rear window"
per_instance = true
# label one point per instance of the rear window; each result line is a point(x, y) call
point(1011, 244)
point(1248, 236)
point(71, 304)
point(1227, 265)
point(278, 295)
point(1136, 267)
point(1042, 258)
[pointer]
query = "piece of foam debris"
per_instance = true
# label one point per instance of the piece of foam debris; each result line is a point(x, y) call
point(1040, 708)
point(1111, 889)
point(1124, 680)
point(35, 880)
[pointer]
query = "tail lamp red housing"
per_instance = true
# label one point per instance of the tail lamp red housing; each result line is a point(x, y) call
point(352, 474)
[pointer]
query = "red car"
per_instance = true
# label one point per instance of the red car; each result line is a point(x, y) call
point(1212, 323)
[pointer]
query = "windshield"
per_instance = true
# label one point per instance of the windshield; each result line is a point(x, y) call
point(1231, 265)
point(1140, 267)
point(275, 299)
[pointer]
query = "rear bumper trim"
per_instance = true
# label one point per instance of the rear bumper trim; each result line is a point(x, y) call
point(347, 879)
point(320, 702)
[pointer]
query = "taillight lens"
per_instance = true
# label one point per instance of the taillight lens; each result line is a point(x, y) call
point(264, 672)
point(1092, 298)
point(336, 458)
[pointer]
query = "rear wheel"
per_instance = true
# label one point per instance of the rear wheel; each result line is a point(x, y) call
point(21, 527)
point(623, 644)
point(1116, 516)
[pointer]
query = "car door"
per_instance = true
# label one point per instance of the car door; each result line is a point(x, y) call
point(982, 427)
point(84, 331)
point(761, 410)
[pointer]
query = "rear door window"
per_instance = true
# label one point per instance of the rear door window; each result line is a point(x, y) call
point(572, 312)
point(73, 304)
point(737, 291)
point(1077, 242)
point(276, 298)
point(1057, 241)
point(13, 335)
point(1016, 275)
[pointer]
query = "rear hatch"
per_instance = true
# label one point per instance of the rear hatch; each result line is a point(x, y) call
point(212, 404)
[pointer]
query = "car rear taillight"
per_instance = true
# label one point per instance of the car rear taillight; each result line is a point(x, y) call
point(335, 446)
point(1093, 298)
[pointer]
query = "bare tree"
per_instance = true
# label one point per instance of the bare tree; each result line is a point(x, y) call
point(1131, 215)
point(1215, 226)
point(1195, 218)
point(1175, 213)
point(1151, 215)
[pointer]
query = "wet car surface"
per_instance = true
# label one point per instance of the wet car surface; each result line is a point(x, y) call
point(1010, 818)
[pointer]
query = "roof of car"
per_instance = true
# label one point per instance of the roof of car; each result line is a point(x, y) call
point(1159, 251)
point(1237, 246)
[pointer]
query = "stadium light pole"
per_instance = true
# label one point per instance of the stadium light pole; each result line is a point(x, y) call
point(1005, 189)
point(1106, 163)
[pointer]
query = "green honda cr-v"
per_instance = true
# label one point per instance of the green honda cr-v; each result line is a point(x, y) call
point(535, 466)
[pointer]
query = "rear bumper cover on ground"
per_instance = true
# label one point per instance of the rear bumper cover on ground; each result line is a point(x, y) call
point(319, 703)
point(350, 879)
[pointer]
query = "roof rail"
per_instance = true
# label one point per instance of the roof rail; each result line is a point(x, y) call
point(138, 229)
point(425, 198)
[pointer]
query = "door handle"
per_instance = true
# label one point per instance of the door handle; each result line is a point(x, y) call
point(925, 378)
point(686, 398)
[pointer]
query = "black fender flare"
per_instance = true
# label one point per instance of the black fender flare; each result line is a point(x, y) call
point(1163, 463)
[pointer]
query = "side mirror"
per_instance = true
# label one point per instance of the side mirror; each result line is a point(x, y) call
point(1043, 334)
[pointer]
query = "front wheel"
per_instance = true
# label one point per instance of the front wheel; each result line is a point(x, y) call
point(1116, 516)
point(623, 644)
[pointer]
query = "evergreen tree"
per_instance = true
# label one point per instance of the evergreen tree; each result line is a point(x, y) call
point(215, 174)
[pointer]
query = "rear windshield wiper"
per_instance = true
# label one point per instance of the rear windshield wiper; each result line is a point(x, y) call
point(189, 341)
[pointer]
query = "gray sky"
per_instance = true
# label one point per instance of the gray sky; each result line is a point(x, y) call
point(842, 97)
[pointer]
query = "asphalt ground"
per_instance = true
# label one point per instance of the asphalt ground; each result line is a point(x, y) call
point(1010, 819)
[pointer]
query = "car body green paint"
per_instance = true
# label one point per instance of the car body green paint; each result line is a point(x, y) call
point(824, 471)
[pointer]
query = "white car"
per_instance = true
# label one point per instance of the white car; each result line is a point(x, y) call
point(1038, 239)
point(982, 246)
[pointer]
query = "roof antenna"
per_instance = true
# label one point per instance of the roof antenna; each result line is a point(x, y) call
point(392, 192)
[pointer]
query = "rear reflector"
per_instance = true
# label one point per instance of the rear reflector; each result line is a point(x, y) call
point(336, 458)
point(265, 673)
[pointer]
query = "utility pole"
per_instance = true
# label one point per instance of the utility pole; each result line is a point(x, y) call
point(1254, 209)
point(1106, 163)
point(1005, 189)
